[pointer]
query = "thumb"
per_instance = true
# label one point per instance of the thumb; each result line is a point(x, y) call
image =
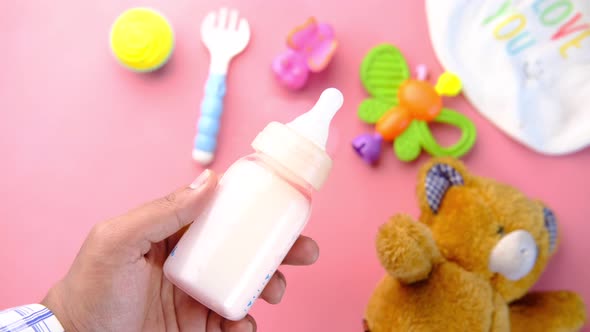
point(157, 220)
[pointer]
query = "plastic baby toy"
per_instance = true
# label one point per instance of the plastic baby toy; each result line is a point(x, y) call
point(402, 107)
point(311, 47)
point(142, 40)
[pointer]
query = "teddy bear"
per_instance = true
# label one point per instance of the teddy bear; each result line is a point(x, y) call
point(469, 262)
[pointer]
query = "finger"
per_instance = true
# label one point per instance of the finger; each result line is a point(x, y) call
point(275, 289)
point(248, 324)
point(160, 219)
point(173, 239)
point(189, 312)
point(305, 251)
point(214, 322)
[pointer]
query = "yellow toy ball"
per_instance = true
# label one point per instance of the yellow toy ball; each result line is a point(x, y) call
point(449, 84)
point(142, 39)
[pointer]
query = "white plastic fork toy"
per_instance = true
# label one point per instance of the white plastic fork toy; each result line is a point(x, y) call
point(225, 36)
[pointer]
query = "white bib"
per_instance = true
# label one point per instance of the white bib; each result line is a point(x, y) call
point(525, 65)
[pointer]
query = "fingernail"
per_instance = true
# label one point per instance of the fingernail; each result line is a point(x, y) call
point(201, 179)
point(282, 279)
point(316, 253)
point(247, 324)
point(252, 323)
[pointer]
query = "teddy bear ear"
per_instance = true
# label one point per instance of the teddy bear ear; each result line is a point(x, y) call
point(439, 178)
point(551, 226)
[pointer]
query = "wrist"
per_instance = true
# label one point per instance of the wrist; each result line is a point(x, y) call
point(53, 302)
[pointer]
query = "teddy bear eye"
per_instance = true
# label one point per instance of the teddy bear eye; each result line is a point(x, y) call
point(500, 230)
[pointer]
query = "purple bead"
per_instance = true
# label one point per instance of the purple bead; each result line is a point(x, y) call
point(368, 147)
point(422, 72)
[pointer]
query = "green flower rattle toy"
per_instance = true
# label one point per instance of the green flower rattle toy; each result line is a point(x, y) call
point(401, 109)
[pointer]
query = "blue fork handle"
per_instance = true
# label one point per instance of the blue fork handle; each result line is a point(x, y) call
point(211, 111)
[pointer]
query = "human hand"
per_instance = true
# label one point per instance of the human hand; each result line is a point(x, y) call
point(116, 282)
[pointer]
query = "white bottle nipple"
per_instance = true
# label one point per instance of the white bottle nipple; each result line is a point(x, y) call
point(315, 124)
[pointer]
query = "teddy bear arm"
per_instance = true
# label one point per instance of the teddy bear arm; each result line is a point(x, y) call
point(500, 318)
point(548, 311)
point(406, 249)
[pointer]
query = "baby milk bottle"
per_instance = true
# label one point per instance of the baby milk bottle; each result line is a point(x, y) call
point(261, 205)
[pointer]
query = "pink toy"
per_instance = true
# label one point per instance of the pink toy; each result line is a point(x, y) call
point(311, 47)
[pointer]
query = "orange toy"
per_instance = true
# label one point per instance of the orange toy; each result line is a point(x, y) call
point(417, 100)
point(402, 108)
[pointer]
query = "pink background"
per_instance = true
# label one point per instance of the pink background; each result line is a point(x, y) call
point(82, 139)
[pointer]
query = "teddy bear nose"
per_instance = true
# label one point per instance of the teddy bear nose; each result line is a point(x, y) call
point(514, 256)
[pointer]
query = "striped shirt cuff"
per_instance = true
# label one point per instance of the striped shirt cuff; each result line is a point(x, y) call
point(29, 318)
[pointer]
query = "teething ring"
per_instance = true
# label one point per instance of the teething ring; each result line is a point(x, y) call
point(401, 109)
point(408, 145)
